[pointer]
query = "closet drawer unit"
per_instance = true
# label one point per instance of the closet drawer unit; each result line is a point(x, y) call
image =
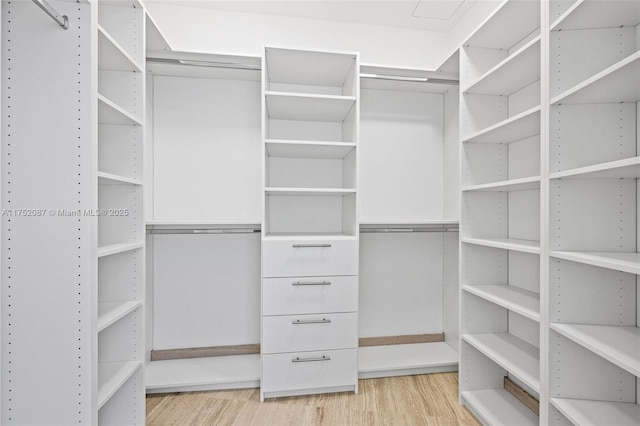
point(309, 371)
point(304, 258)
point(302, 295)
point(309, 332)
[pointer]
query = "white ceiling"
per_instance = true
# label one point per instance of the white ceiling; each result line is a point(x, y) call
point(430, 15)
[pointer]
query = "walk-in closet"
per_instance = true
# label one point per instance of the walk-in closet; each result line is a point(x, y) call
point(320, 212)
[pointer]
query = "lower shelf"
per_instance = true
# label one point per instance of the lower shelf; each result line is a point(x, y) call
point(404, 360)
point(112, 375)
point(195, 374)
point(584, 412)
point(498, 407)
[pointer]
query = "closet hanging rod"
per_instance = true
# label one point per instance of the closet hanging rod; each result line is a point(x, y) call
point(410, 79)
point(62, 20)
point(405, 230)
point(204, 231)
point(206, 64)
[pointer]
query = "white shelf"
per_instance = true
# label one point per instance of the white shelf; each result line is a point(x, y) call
point(523, 302)
point(110, 312)
point(397, 360)
point(525, 246)
point(513, 129)
point(617, 344)
point(508, 25)
point(188, 222)
point(594, 413)
point(111, 179)
point(415, 223)
point(223, 372)
point(598, 14)
point(619, 169)
point(308, 107)
point(111, 56)
point(110, 113)
point(308, 149)
point(309, 191)
point(317, 236)
point(308, 67)
point(514, 355)
point(619, 261)
point(618, 83)
point(109, 249)
point(522, 184)
point(498, 407)
point(112, 375)
point(517, 71)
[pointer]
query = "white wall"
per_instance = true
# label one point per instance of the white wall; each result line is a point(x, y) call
point(204, 30)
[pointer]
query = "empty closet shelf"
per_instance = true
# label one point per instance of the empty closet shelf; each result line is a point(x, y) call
point(618, 83)
point(514, 355)
point(308, 107)
point(309, 149)
point(112, 56)
point(593, 413)
point(111, 377)
point(309, 191)
point(111, 312)
point(520, 301)
point(620, 169)
point(110, 113)
point(592, 14)
point(109, 249)
point(620, 261)
point(111, 179)
point(415, 358)
point(525, 246)
point(498, 407)
point(522, 184)
point(512, 129)
point(617, 344)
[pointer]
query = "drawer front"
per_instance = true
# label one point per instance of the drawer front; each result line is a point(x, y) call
point(309, 370)
point(293, 333)
point(304, 258)
point(285, 296)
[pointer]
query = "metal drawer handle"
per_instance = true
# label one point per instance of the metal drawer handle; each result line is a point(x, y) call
point(311, 246)
point(323, 358)
point(298, 283)
point(316, 321)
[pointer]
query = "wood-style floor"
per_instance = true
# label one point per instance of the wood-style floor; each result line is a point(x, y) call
point(410, 400)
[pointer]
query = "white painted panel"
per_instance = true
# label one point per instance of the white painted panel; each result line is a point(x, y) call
point(206, 290)
point(481, 316)
point(486, 214)
point(477, 371)
point(590, 295)
point(451, 285)
point(304, 173)
point(524, 215)
point(304, 214)
point(524, 158)
point(484, 265)
point(524, 99)
point(593, 215)
point(401, 156)
point(580, 54)
point(120, 214)
point(524, 329)
point(479, 60)
point(124, 88)
point(120, 150)
point(305, 130)
point(118, 276)
point(122, 341)
point(451, 154)
point(401, 283)
point(584, 135)
point(524, 271)
point(206, 149)
point(574, 369)
point(484, 163)
point(482, 111)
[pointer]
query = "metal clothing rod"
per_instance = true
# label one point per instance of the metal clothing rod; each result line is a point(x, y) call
point(62, 20)
point(204, 231)
point(410, 79)
point(404, 230)
point(208, 64)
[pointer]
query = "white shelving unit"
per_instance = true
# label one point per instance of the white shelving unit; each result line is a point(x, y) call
point(500, 128)
point(310, 129)
point(76, 130)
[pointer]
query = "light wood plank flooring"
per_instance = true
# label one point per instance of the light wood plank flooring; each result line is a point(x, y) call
point(410, 400)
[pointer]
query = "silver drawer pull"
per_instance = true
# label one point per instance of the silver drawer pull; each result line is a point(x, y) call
point(297, 283)
point(311, 246)
point(323, 358)
point(315, 321)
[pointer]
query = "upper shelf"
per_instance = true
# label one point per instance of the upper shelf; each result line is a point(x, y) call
point(513, 129)
point(598, 14)
point(592, 413)
point(110, 113)
point(112, 56)
point(515, 299)
point(507, 26)
point(309, 191)
point(309, 67)
point(522, 184)
point(618, 83)
point(619, 261)
point(524, 246)
point(619, 169)
point(517, 71)
point(306, 107)
point(308, 149)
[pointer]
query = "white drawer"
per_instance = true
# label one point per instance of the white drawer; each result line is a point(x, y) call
point(283, 296)
point(309, 258)
point(309, 370)
point(293, 333)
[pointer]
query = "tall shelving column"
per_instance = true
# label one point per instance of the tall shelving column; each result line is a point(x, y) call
point(594, 141)
point(120, 252)
point(500, 118)
point(72, 252)
point(310, 224)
